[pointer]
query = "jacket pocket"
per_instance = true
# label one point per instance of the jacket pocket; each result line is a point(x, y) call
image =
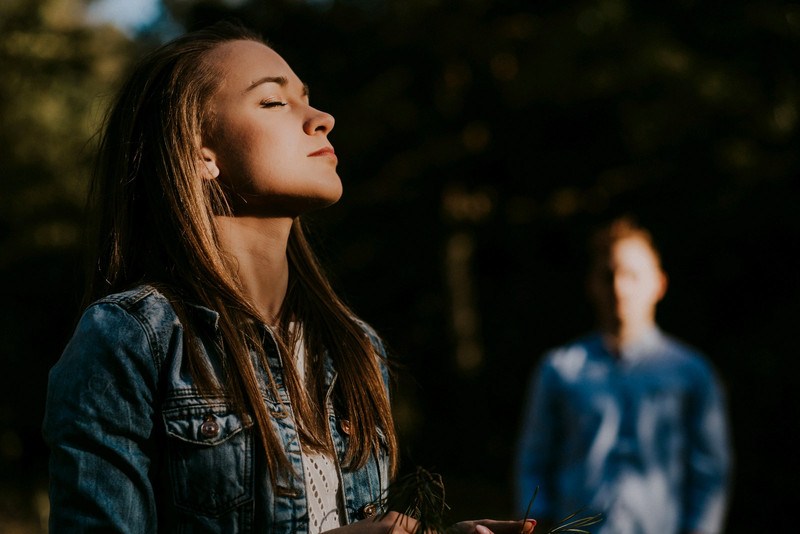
point(210, 456)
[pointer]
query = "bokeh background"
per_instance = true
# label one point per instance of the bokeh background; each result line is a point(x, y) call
point(479, 142)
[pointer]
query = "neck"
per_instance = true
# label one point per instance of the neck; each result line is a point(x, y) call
point(258, 246)
point(626, 332)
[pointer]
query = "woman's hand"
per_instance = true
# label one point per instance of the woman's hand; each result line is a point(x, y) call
point(490, 526)
point(388, 523)
point(397, 523)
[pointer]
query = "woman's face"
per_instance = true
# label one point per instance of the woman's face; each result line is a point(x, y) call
point(265, 142)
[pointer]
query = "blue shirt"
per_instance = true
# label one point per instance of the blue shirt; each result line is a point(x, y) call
point(136, 448)
point(641, 437)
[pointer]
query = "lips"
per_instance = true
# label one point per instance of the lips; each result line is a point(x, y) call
point(323, 152)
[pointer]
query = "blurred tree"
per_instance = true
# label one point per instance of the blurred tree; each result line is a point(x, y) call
point(56, 74)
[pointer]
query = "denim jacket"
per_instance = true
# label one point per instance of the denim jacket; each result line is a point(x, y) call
point(135, 448)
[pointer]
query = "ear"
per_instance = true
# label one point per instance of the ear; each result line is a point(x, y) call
point(209, 169)
point(663, 283)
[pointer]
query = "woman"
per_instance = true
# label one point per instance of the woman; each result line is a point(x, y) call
point(215, 382)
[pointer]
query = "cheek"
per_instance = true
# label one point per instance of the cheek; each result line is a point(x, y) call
point(646, 295)
point(241, 149)
point(654, 287)
point(238, 137)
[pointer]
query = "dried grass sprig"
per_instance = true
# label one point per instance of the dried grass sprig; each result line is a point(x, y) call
point(419, 495)
point(567, 524)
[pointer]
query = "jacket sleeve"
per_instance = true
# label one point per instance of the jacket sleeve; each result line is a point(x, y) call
point(535, 444)
point(709, 458)
point(99, 423)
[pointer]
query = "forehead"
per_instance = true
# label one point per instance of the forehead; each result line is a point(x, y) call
point(634, 252)
point(241, 63)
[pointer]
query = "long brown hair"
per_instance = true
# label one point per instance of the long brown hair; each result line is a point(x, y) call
point(155, 224)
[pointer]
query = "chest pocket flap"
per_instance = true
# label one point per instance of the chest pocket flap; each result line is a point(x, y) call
point(210, 458)
point(203, 427)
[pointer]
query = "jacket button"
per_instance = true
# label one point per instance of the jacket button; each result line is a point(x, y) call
point(367, 511)
point(209, 428)
point(345, 426)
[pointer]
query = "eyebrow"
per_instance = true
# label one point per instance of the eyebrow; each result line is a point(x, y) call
point(280, 80)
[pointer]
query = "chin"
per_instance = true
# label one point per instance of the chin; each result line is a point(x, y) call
point(318, 202)
point(331, 197)
point(281, 205)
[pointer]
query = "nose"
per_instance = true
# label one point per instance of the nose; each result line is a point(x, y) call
point(623, 286)
point(318, 121)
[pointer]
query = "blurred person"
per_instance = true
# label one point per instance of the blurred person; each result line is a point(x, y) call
point(626, 421)
point(215, 382)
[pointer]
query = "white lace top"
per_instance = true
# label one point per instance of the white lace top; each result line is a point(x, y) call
point(323, 492)
point(323, 487)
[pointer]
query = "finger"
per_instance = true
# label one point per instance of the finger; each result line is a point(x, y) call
point(402, 522)
point(508, 527)
point(409, 524)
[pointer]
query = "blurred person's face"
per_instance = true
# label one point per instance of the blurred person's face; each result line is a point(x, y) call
point(627, 288)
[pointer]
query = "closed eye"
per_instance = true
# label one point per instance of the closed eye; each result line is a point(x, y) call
point(272, 103)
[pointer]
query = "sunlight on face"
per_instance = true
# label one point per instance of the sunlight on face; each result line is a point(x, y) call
point(269, 145)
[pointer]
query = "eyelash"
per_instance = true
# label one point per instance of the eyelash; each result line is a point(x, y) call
point(272, 103)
